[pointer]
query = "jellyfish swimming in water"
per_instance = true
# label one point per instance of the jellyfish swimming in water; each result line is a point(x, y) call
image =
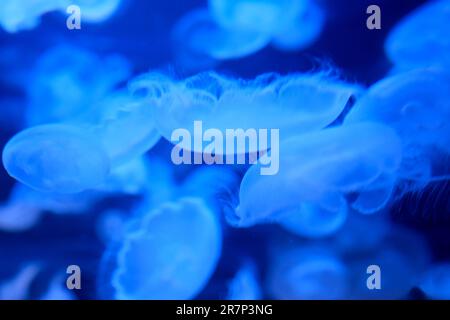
point(69, 82)
point(207, 104)
point(435, 282)
point(18, 15)
point(163, 259)
point(416, 104)
point(291, 24)
point(316, 173)
point(421, 39)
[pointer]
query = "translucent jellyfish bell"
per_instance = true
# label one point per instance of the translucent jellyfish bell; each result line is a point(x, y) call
point(67, 82)
point(164, 258)
point(435, 282)
point(421, 39)
point(56, 158)
point(416, 104)
point(197, 36)
point(319, 169)
point(211, 101)
point(307, 273)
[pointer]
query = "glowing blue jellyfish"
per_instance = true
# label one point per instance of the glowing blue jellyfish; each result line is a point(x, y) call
point(316, 172)
point(56, 158)
point(293, 24)
point(295, 103)
point(199, 41)
point(417, 105)
point(18, 216)
point(67, 83)
point(435, 282)
point(421, 39)
point(164, 258)
point(18, 15)
point(125, 126)
point(245, 284)
point(307, 273)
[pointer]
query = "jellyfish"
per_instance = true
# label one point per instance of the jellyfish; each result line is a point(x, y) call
point(435, 282)
point(291, 24)
point(316, 172)
point(56, 158)
point(163, 258)
point(307, 273)
point(18, 15)
point(67, 82)
point(421, 39)
point(245, 284)
point(198, 41)
point(416, 105)
point(199, 113)
point(125, 126)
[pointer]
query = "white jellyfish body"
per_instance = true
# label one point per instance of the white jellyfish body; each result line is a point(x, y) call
point(307, 273)
point(416, 104)
point(317, 170)
point(209, 103)
point(171, 255)
point(421, 39)
point(56, 158)
point(18, 15)
point(435, 282)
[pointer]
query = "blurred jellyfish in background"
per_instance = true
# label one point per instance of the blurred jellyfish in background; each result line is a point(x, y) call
point(435, 282)
point(307, 273)
point(67, 82)
point(164, 258)
point(237, 28)
point(416, 105)
point(421, 39)
point(317, 171)
point(19, 15)
point(245, 284)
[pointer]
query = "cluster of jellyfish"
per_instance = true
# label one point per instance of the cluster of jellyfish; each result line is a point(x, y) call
point(347, 153)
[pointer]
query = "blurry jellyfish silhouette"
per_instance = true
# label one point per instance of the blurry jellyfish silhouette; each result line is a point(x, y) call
point(67, 82)
point(234, 29)
point(421, 39)
point(245, 284)
point(307, 273)
point(416, 105)
point(268, 102)
point(435, 282)
point(199, 41)
point(317, 171)
point(292, 24)
point(163, 258)
point(18, 15)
